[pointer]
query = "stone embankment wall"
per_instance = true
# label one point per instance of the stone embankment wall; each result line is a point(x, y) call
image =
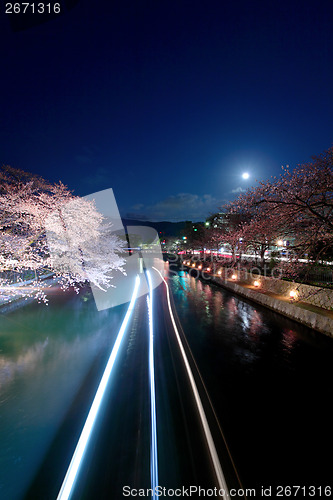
point(320, 297)
point(274, 294)
point(319, 322)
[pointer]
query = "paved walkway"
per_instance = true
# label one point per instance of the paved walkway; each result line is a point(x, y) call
point(302, 305)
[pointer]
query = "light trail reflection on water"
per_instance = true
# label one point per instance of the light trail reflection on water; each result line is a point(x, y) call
point(267, 377)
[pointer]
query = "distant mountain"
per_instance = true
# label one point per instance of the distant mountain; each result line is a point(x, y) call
point(166, 228)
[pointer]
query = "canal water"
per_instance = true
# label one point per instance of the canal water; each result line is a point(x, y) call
point(268, 379)
point(46, 354)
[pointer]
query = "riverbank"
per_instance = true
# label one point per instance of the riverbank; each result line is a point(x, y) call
point(310, 315)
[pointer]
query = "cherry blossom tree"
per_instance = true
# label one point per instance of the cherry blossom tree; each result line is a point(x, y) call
point(297, 207)
point(81, 244)
point(299, 204)
point(44, 226)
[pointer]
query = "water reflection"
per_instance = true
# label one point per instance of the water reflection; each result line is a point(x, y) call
point(45, 354)
point(214, 312)
point(26, 362)
point(261, 370)
point(256, 325)
point(289, 340)
point(232, 310)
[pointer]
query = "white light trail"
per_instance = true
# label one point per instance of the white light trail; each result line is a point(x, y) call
point(210, 442)
point(153, 435)
point(72, 472)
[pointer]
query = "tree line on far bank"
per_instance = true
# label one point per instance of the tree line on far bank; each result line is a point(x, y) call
point(293, 211)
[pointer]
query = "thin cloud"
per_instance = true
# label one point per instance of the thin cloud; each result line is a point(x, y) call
point(238, 190)
point(138, 206)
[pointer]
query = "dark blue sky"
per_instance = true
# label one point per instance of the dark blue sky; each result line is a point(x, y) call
point(168, 102)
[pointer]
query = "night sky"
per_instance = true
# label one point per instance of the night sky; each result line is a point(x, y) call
point(168, 102)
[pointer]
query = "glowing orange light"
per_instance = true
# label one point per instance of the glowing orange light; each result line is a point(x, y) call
point(292, 294)
point(199, 267)
point(193, 265)
point(208, 269)
point(234, 277)
point(256, 284)
point(219, 272)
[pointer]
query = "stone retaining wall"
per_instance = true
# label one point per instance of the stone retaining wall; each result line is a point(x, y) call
point(313, 295)
point(320, 297)
point(311, 319)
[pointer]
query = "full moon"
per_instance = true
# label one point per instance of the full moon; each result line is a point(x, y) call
point(245, 175)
